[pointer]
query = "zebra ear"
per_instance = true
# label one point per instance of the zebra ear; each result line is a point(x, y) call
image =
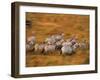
point(62, 34)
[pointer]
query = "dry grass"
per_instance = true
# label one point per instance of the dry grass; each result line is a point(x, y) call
point(45, 25)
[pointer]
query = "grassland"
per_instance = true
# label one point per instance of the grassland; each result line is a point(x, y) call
point(44, 25)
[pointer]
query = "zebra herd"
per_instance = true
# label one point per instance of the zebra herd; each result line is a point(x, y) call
point(55, 42)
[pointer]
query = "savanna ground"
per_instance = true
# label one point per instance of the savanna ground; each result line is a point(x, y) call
point(46, 24)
